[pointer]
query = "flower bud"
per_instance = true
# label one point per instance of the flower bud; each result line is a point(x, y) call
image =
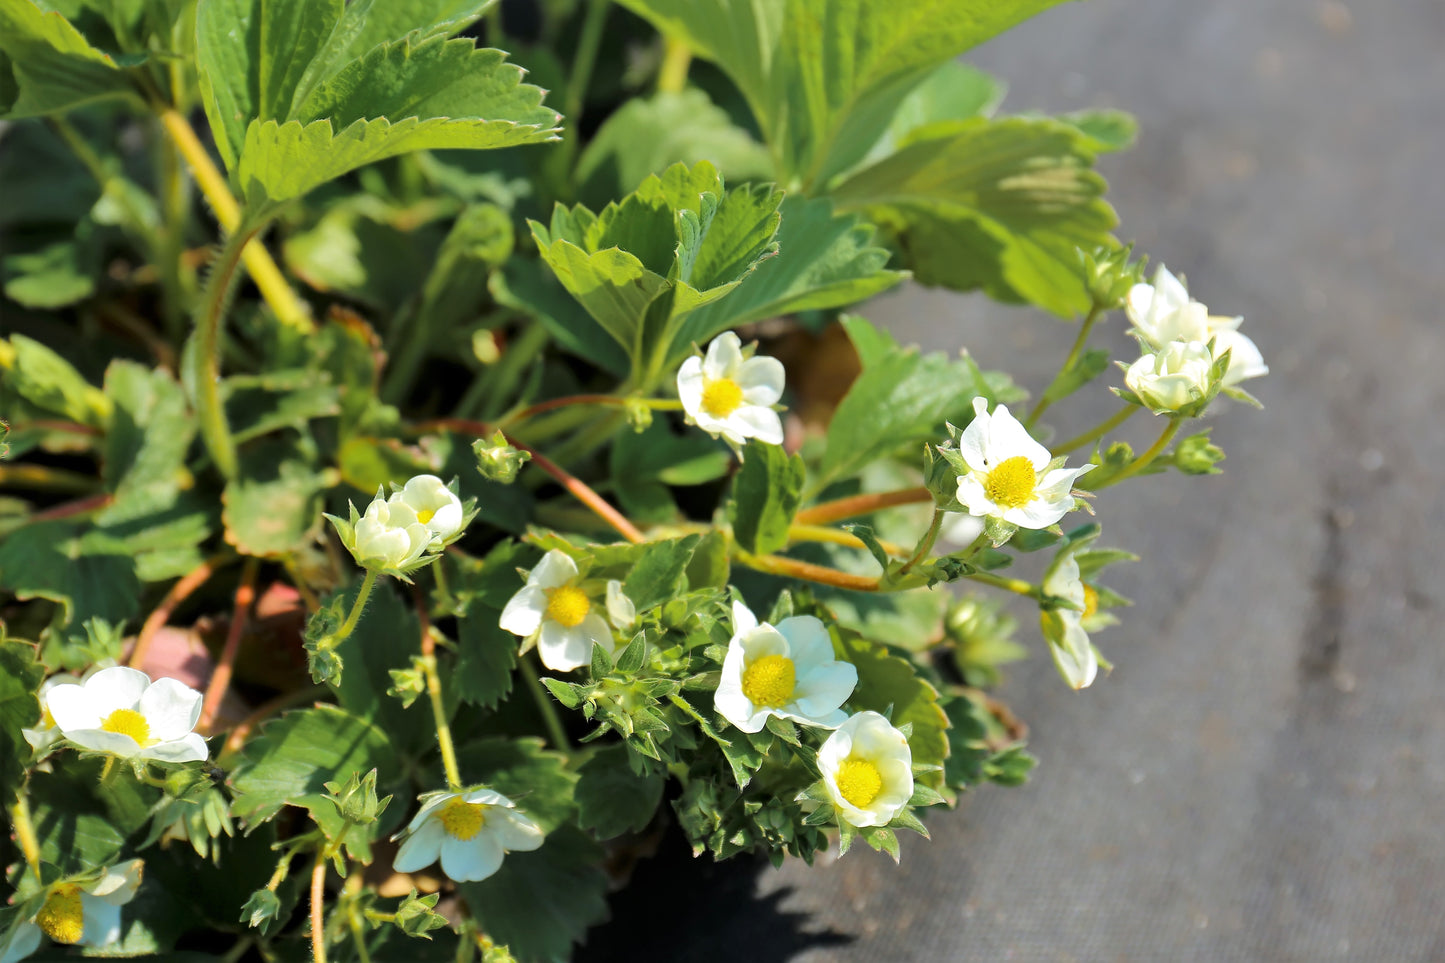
point(1179, 379)
point(497, 460)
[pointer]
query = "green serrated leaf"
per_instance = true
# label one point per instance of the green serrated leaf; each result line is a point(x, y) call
point(52, 67)
point(486, 656)
point(655, 576)
point(20, 677)
point(611, 798)
point(766, 494)
point(385, 638)
point(273, 507)
point(886, 680)
point(89, 577)
point(79, 824)
point(51, 383)
point(143, 459)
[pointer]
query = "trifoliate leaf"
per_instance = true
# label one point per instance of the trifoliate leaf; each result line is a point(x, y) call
point(611, 798)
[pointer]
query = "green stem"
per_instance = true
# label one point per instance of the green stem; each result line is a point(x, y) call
point(1096, 432)
point(676, 59)
point(550, 719)
point(500, 379)
point(25, 834)
point(350, 624)
point(204, 363)
point(1044, 400)
point(1016, 585)
point(439, 716)
point(1143, 461)
point(579, 77)
point(925, 544)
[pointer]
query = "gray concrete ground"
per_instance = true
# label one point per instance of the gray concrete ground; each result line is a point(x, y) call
point(1262, 777)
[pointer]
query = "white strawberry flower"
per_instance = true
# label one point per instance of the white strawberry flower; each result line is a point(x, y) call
point(122, 712)
point(787, 670)
point(1163, 311)
point(867, 770)
point(1063, 628)
point(1176, 377)
point(469, 831)
point(558, 612)
point(390, 535)
point(434, 504)
point(726, 394)
point(1010, 475)
point(87, 914)
point(46, 733)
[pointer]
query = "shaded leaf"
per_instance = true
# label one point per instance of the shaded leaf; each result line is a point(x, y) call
point(611, 798)
point(20, 677)
point(52, 67)
point(766, 494)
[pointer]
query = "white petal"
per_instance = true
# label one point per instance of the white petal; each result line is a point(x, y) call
point(809, 643)
point(755, 421)
point(72, 708)
point(729, 700)
point(118, 687)
point(825, 687)
point(468, 861)
point(487, 797)
point(524, 611)
point(743, 619)
point(555, 570)
point(761, 641)
point(1073, 653)
point(98, 740)
point(433, 802)
point(817, 720)
point(24, 940)
point(724, 356)
point(101, 921)
point(447, 520)
point(171, 709)
point(189, 748)
point(973, 496)
point(1009, 439)
point(1245, 361)
point(119, 884)
point(563, 649)
point(1039, 513)
point(690, 385)
point(421, 848)
point(596, 630)
point(973, 443)
point(619, 607)
point(761, 379)
point(515, 831)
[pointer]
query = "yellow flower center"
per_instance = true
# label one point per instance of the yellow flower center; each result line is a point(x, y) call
point(461, 819)
point(859, 781)
point(47, 721)
point(425, 515)
point(1011, 484)
point(128, 722)
point(568, 606)
point(770, 681)
point(1091, 600)
point(722, 397)
point(61, 918)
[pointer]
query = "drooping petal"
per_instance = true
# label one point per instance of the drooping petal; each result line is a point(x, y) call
point(515, 830)
point(99, 740)
point(755, 421)
point(762, 379)
point(1245, 361)
point(563, 649)
point(471, 860)
point(119, 884)
point(555, 570)
point(171, 708)
point(101, 921)
point(421, 848)
point(724, 356)
point(189, 748)
point(524, 611)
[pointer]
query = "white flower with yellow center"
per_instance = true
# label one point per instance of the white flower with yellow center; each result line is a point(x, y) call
point(867, 770)
point(727, 394)
point(1176, 377)
point(45, 734)
point(122, 712)
point(1163, 311)
point(434, 504)
point(1063, 628)
point(389, 535)
point(565, 620)
point(468, 831)
point(87, 914)
point(1010, 475)
point(787, 670)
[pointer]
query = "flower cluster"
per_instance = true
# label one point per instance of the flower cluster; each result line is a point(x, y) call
point(400, 534)
point(1190, 354)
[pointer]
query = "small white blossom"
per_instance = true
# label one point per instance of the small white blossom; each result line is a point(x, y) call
point(468, 831)
point(87, 914)
point(46, 733)
point(787, 670)
point(1174, 378)
point(1010, 475)
point(434, 504)
point(1162, 312)
point(122, 712)
point(728, 395)
point(619, 607)
point(389, 535)
point(867, 770)
point(1063, 628)
point(564, 619)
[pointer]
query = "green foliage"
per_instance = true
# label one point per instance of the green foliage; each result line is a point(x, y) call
point(51, 66)
point(766, 495)
point(20, 676)
point(89, 575)
point(612, 798)
point(888, 683)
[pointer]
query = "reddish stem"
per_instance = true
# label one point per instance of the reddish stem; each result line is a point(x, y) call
point(91, 503)
point(854, 505)
point(808, 572)
point(221, 678)
point(179, 592)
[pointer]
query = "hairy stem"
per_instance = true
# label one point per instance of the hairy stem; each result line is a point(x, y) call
point(25, 834)
point(1094, 314)
point(1140, 463)
point(318, 897)
point(925, 544)
point(855, 505)
point(834, 536)
point(807, 571)
point(1096, 432)
point(1016, 585)
point(204, 367)
point(676, 59)
point(178, 593)
point(434, 695)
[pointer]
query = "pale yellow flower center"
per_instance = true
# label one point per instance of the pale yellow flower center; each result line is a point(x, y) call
point(770, 681)
point(62, 918)
point(461, 819)
point(859, 781)
point(128, 722)
point(47, 721)
point(1011, 484)
point(1091, 600)
point(722, 397)
point(425, 515)
point(568, 606)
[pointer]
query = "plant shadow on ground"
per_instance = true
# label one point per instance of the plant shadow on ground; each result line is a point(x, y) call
point(683, 910)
